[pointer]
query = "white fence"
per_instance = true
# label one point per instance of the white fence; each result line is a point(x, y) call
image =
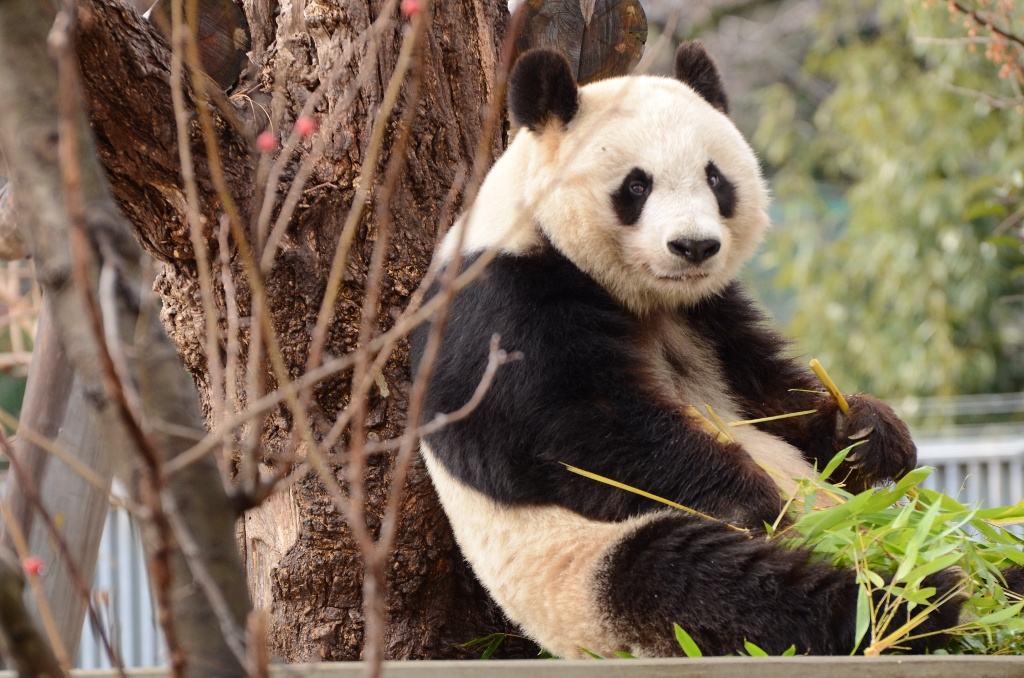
point(122, 597)
point(986, 467)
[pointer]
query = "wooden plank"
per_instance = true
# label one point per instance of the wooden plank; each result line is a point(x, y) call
point(80, 511)
point(719, 667)
point(55, 407)
point(50, 380)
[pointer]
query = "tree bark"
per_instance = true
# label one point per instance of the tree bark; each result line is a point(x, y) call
point(298, 540)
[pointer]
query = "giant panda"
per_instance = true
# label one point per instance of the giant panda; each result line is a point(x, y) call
point(622, 213)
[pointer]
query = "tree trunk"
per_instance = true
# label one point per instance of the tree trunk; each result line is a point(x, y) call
point(303, 563)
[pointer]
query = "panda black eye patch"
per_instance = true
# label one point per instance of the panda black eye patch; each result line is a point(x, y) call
point(724, 190)
point(631, 196)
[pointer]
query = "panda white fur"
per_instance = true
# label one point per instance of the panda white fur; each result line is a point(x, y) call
point(622, 212)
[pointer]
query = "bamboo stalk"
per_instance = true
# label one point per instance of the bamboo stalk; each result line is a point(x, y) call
point(719, 424)
point(844, 406)
point(706, 424)
point(776, 417)
point(648, 495)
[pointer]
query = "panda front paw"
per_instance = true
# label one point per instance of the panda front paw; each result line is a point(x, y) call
point(884, 451)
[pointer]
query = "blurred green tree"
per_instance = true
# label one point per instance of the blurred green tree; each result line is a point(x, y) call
point(897, 252)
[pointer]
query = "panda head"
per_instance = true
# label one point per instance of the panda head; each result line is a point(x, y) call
point(642, 182)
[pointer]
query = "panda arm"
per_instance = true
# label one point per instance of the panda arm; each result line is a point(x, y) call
point(575, 398)
point(767, 383)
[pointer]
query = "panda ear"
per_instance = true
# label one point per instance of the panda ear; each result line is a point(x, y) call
point(696, 68)
point(542, 85)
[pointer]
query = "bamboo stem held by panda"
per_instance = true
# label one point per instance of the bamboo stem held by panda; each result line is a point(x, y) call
point(707, 425)
point(648, 495)
point(844, 406)
point(719, 424)
point(762, 420)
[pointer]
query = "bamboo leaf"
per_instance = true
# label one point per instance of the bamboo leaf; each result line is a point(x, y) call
point(690, 648)
point(837, 460)
point(753, 650)
point(1000, 615)
point(493, 646)
point(863, 616)
point(908, 562)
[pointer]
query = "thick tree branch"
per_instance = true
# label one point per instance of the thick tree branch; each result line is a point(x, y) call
point(126, 78)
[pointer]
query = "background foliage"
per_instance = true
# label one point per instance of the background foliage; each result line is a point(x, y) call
point(896, 257)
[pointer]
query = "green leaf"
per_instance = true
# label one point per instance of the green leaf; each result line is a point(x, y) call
point(908, 561)
point(1003, 515)
point(484, 639)
point(493, 646)
point(592, 654)
point(1001, 615)
point(624, 655)
point(912, 479)
point(1015, 556)
point(754, 650)
point(924, 527)
point(690, 648)
point(876, 579)
point(920, 596)
point(984, 209)
point(790, 652)
point(837, 460)
point(863, 616)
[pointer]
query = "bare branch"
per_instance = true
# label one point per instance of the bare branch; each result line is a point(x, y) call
point(31, 493)
point(24, 648)
point(42, 603)
point(989, 24)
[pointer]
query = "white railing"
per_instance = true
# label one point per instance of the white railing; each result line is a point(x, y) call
point(984, 465)
point(122, 597)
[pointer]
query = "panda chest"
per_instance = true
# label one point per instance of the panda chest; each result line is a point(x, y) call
point(682, 368)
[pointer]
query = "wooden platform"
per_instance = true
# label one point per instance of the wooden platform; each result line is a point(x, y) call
point(724, 667)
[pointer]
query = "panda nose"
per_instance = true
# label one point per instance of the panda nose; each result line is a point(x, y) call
point(695, 251)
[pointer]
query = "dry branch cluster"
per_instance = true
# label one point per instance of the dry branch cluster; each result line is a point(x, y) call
point(289, 273)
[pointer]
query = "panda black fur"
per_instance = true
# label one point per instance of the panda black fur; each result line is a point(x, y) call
point(619, 290)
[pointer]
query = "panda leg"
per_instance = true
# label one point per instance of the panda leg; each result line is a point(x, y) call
point(724, 587)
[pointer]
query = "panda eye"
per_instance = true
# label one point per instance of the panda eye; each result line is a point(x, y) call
point(724, 190)
point(629, 198)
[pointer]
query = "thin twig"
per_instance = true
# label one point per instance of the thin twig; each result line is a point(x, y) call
point(23, 646)
point(31, 493)
point(367, 173)
point(52, 447)
point(496, 358)
point(989, 24)
point(179, 37)
point(340, 67)
point(81, 256)
point(42, 602)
